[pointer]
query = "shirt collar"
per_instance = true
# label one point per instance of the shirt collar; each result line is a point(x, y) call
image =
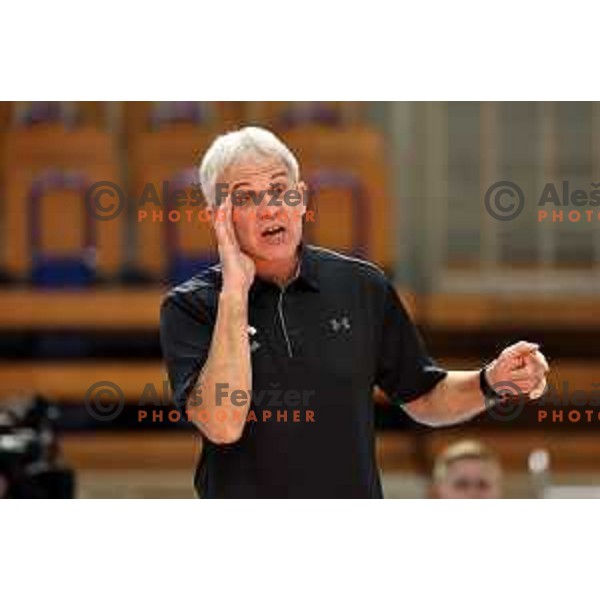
point(308, 267)
point(307, 276)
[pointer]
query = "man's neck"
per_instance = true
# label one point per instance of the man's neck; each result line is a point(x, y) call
point(281, 273)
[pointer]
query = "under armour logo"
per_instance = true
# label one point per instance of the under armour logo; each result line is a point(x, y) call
point(338, 325)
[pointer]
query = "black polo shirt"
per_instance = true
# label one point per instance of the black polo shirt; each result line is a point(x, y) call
point(318, 347)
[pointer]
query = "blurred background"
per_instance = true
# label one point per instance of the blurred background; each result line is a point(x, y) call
point(400, 183)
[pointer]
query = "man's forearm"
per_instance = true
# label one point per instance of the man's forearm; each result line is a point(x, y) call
point(228, 366)
point(456, 398)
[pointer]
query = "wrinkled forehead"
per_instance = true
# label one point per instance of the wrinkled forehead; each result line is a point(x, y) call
point(255, 171)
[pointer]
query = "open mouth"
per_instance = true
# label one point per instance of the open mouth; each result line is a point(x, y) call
point(274, 233)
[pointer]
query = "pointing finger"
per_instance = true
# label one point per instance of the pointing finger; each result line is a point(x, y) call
point(538, 359)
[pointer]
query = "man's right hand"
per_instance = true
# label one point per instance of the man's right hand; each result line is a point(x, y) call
point(229, 358)
point(238, 268)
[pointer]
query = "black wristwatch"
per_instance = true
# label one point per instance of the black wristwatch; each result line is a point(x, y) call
point(489, 393)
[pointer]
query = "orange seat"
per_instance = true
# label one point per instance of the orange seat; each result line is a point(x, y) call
point(166, 158)
point(338, 211)
point(70, 114)
point(361, 152)
point(143, 117)
point(283, 115)
point(28, 153)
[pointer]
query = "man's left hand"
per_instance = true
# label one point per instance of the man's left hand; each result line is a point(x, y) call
point(521, 364)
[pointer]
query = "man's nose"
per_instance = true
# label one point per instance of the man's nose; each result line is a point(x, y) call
point(269, 207)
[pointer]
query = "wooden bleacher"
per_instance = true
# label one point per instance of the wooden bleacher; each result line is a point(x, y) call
point(474, 312)
point(98, 309)
point(134, 308)
point(135, 450)
point(571, 452)
point(69, 380)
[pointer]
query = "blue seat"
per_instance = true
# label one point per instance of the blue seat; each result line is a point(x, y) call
point(49, 271)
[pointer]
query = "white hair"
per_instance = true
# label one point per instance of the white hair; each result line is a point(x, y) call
point(236, 146)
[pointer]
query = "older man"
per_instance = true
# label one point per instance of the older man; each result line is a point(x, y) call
point(274, 352)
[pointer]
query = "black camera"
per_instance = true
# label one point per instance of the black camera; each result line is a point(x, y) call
point(30, 465)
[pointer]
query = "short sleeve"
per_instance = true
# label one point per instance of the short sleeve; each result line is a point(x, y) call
point(404, 370)
point(185, 337)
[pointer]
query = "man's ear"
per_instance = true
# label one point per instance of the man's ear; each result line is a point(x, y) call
point(303, 189)
point(210, 210)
